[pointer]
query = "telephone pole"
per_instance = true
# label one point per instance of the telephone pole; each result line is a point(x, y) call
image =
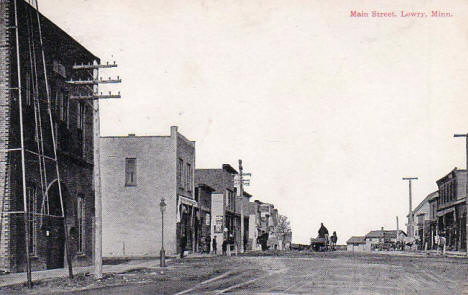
point(242, 181)
point(411, 217)
point(466, 188)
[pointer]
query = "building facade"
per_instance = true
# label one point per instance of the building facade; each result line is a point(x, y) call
point(72, 124)
point(451, 209)
point(225, 220)
point(356, 244)
point(422, 218)
point(137, 172)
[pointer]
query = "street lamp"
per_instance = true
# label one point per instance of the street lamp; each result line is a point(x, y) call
point(162, 255)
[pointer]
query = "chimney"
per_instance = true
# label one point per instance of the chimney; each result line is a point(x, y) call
point(381, 228)
point(173, 131)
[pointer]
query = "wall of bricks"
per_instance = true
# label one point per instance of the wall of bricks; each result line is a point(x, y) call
point(76, 167)
point(4, 131)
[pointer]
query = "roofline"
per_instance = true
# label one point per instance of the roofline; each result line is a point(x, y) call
point(62, 31)
point(229, 169)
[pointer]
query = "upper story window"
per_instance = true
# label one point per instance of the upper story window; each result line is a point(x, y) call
point(180, 167)
point(62, 104)
point(130, 171)
point(188, 177)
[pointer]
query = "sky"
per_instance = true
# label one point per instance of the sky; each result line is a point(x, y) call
point(327, 111)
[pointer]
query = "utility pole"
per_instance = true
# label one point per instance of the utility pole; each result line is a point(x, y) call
point(411, 217)
point(93, 85)
point(242, 181)
point(241, 192)
point(466, 189)
point(397, 229)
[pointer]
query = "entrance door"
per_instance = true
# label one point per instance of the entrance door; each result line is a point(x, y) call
point(53, 229)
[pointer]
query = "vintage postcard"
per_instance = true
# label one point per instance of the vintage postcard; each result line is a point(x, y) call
point(233, 147)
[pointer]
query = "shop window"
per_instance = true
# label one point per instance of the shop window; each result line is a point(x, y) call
point(130, 171)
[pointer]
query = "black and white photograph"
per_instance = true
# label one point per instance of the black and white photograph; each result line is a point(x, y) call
point(233, 147)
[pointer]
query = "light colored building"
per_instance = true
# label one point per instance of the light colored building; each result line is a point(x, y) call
point(422, 218)
point(383, 239)
point(137, 172)
point(356, 244)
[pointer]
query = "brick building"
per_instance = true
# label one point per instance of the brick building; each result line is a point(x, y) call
point(137, 172)
point(225, 220)
point(72, 123)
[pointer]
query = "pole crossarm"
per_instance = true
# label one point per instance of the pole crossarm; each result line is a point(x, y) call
point(94, 66)
point(96, 96)
point(460, 135)
point(410, 178)
point(95, 82)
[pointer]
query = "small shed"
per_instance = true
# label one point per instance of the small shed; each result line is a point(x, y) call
point(356, 244)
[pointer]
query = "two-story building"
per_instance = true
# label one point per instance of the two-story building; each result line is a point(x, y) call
point(451, 208)
point(422, 218)
point(225, 221)
point(137, 172)
point(25, 110)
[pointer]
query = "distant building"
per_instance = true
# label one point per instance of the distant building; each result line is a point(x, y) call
point(422, 232)
point(137, 172)
point(356, 244)
point(203, 228)
point(451, 209)
point(225, 221)
point(383, 239)
point(72, 122)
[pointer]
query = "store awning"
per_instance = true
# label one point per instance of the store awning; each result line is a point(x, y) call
point(187, 201)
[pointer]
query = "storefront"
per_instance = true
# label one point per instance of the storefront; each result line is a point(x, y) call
point(187, 223)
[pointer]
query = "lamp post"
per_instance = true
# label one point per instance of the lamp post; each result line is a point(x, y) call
point(162, 255)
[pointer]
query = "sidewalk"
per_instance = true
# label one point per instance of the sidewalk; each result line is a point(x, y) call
point(20, 278)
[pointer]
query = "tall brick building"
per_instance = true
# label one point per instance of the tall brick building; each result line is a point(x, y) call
point(73, 124)
point(136, 172)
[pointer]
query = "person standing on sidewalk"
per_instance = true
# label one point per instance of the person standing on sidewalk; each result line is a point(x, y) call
point(183, 243)
point(215, 246)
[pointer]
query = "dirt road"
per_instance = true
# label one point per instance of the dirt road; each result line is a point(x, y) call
point(288, 273)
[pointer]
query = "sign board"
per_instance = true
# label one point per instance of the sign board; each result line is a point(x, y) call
point(218, 226)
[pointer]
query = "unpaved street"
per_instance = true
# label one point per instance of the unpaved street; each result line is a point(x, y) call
point(292, 273)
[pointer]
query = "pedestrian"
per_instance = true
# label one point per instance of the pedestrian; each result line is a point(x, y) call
point(224, 247)
point(207, 243)
point(334, 239)
point(215, 246)
point(183, 243)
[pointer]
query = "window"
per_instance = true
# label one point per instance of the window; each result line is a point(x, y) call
point(188, 178)
point(81, 113)
point(130, 171)
point(80, 214)
point(32, 211)
point(180, 167)
point(62, 102)
point(28, 89)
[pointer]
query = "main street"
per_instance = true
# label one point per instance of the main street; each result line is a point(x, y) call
point(290, 273)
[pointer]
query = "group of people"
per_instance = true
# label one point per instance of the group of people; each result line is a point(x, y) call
point(208, 242)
